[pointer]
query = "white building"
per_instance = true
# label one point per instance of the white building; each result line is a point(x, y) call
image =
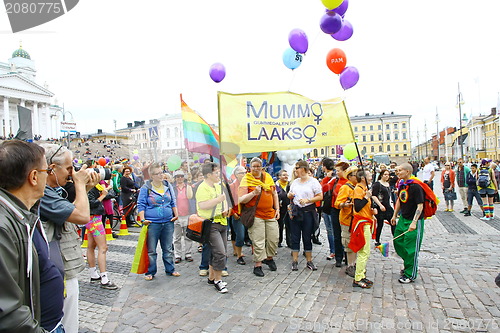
point(18, 86)
point(170, 139)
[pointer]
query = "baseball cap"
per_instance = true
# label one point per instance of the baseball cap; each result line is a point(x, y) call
point(178, 173)
point(485, 161)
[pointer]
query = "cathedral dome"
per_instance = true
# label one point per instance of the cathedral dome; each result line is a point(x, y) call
point(21, 53)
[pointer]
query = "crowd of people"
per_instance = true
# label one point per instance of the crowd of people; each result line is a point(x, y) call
point(44, 200)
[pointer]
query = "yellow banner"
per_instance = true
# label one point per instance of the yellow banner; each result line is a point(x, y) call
point(260, 122)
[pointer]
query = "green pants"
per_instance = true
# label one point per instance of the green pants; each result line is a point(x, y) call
point(408, 245)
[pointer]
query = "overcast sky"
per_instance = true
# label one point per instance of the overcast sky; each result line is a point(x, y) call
point(130, 60)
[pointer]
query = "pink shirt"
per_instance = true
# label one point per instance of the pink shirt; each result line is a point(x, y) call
point(182, 201)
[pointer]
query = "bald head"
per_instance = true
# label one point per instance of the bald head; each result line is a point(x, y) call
point(407, 167)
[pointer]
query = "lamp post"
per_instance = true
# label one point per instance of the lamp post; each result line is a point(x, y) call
point(64, 112)
point(425, 133)
point(459, 105)
point(437, 134)
point(418, 145)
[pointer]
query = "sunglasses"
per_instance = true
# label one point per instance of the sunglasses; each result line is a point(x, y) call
point(53, 155)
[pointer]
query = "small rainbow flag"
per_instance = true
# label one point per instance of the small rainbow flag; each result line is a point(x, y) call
point(384, 249)
point(199, 136)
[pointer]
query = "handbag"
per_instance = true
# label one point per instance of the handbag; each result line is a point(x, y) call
point(141, 259)
point(198, 228)
point(247, 216)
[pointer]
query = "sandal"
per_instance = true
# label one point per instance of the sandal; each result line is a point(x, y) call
point(148, 277)
point(361, 284)
point(176, 274)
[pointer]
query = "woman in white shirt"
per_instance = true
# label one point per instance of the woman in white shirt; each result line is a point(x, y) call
point(305, 192)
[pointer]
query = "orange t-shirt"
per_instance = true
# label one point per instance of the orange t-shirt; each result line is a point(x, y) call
point(265, 208)
point(366, 211)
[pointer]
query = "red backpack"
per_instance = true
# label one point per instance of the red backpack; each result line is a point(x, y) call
point(430, 199)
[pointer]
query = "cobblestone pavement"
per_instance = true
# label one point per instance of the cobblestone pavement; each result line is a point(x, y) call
point(455, 290)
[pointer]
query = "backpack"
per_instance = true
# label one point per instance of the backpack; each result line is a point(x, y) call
point(483, 179)
point(430, 199)
point(327, 198)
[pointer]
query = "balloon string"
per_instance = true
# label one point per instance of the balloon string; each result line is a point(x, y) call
point(291, 81)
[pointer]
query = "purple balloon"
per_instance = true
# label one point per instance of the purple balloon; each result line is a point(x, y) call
point(342, 8)
point(298, 40)
point(107, 159)
point(217, 72)
point(349, 77)
point(330, 22)
point(345, 32)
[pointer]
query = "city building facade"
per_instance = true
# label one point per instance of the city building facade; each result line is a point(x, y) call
point(18, 87)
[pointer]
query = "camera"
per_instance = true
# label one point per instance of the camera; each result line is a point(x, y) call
point(104, 174)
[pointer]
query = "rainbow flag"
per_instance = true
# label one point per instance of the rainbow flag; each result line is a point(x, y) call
point(199, 136)
point(384, 249)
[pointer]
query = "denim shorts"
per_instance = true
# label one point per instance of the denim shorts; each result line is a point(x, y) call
point(486, 192)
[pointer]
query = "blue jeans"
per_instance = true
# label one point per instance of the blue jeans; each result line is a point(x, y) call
point(164, 232)
point(58, 329)
point(239, 230)
point(329, 231)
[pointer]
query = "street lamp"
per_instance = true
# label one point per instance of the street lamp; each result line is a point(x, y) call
point(460, 102)
point(64, 112)
point(425, 133)
point(437, 134)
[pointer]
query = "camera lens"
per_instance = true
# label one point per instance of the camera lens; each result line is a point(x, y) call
point(104, 174)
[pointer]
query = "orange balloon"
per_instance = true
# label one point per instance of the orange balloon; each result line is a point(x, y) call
point(101, 161)
point(336, 60)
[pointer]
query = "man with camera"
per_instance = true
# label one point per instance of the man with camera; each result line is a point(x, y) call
point(59, 217)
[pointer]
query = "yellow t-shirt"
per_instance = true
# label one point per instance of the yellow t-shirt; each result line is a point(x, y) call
point(206, 192)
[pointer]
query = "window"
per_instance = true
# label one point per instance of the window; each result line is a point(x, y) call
point(395, 125)
point(363, 128)
point(396, 136)
point(176, 132)
point(333, 151)
point(176, 143)
point(379, 127)
point(364, 138)
point(404, 136)
point(387, 126)
point(380, 137)
point(371, 127)
point(315, 151)
point(380, 149)
point(322, 151)
point(404, 147)
point(388, 148)
point(372, 149)
point(168, 132)
point(355, 128)
point(397, 147)
point(403, 125)
point(168, 144)
point(371, 137)
point(388, 137)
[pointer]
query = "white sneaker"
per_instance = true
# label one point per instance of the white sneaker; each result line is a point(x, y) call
point(484, 218)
